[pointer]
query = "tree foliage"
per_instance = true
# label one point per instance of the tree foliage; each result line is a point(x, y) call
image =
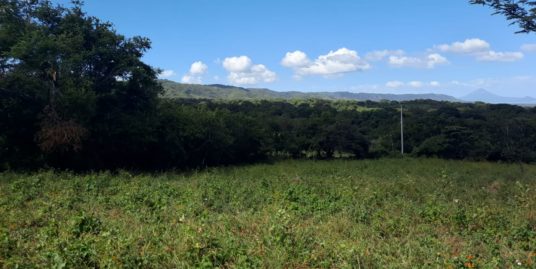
point(66, 78)
point(520, 12)
point(74, 94)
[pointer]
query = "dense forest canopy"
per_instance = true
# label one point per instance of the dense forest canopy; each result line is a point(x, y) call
point(75, 94)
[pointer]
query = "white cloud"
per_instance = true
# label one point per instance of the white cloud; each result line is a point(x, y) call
point(243, 71)
point(435, 84)
point(237, 64)
point(481, 50)
point(334, 63)
point(379, 55)
point(435, 59)
point(295, 59)
point(198, 68)
point(468, 46)
point(529, 47)
point(493, 56)
point(401, 61)
point(195, 75)
point(428, 61)
point(166, 74)
point(394, 84)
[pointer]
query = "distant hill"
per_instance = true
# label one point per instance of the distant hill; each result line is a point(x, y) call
point(482, 95)
point(216, 91)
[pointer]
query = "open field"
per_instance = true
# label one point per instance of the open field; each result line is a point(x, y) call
point(391, 213)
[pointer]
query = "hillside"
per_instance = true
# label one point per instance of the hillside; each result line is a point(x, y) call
point(179, 90)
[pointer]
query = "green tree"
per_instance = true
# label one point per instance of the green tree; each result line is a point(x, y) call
point(520, 12)
point(70, 85)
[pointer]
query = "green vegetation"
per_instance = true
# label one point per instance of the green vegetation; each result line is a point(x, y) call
point(224, 92)
point(520, 12)
point(390, 213)
point(74, 94)
point(193, 133)
point(69, 82)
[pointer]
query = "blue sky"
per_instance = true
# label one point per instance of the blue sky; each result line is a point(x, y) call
point(412, 46)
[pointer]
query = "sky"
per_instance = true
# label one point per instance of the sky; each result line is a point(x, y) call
point(391, 46)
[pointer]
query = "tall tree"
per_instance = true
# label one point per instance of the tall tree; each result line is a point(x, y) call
point(70, 83)
point(520, 12)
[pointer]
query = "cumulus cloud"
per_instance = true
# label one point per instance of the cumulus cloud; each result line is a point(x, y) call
point(198, 68)
point(237, 64)
point(195, 74)
point(529, 47)
point(379, 55)
point(242, 71)
point(400, 61)
point(166, 74)
point(428, 61)
point(468, 46)
point(481, 50)
point(295, 59)
point(336, 62)
point(435, 84)
point(435, 59)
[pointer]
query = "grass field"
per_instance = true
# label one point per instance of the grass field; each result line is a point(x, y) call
point(393, 213)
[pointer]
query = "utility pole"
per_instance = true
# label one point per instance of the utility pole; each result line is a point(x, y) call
point(401, 130)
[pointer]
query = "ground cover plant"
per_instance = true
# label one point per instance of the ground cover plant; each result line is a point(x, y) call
point(388, 213)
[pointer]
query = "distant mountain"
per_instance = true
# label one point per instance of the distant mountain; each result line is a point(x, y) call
point(482, 95)
point(217, 91)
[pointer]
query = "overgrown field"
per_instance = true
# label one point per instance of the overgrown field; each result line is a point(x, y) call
point(392, 213)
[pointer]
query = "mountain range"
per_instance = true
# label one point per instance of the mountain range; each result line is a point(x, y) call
point(224, 92)
point(482, 95)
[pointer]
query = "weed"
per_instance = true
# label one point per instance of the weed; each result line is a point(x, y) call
point(389, 213)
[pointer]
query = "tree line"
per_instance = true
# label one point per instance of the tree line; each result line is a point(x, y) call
point(74, 94)
point(184, 133)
